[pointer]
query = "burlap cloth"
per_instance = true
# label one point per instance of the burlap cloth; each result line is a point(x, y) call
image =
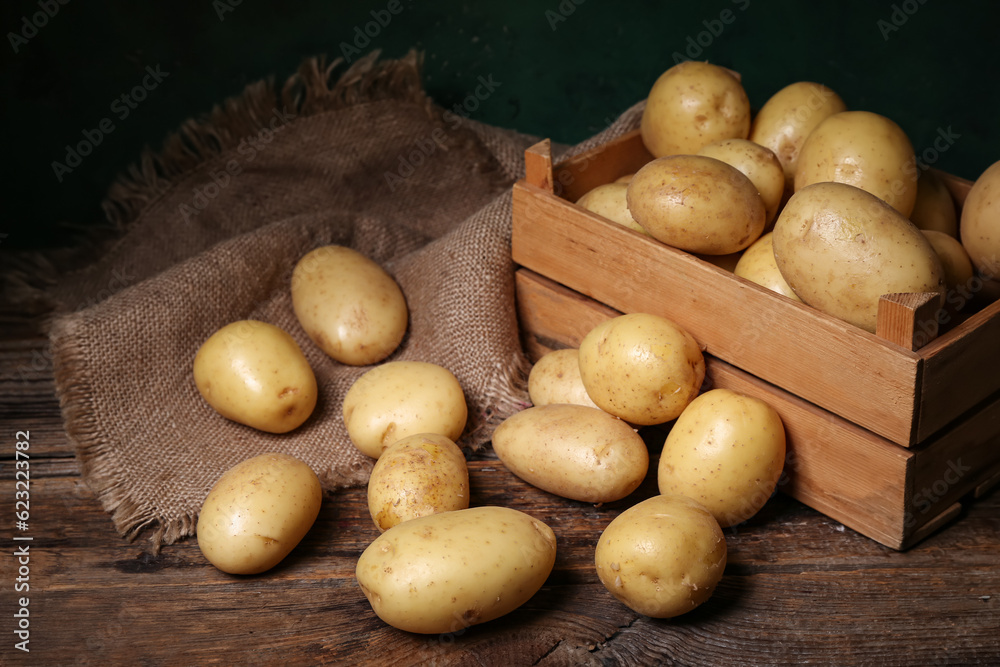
point(208, 232)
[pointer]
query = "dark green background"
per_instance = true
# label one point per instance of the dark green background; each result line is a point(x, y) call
point(936, 71)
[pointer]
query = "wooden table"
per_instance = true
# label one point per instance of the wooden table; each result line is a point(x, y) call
point(799, 587)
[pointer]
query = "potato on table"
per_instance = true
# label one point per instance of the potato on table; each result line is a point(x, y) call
point(555, 378)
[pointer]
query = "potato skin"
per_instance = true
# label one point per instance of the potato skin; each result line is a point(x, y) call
point(980, 223)
point(257, 512)
point(934, 208)
point(865, 150)
point(573, 451)
point(662, 557)
point(954, 260)
point(840, 248)
point(757, 265)
point(641, 367)
point(726, 451)
point(255, 373)
point(403, 398)
point(444, 572)
point(757, 163)
point(788, 117)
point(348, 305)
point(697, 203)
point(609, 200)
point(555, 378)
point(419, 475)
point(693, 104)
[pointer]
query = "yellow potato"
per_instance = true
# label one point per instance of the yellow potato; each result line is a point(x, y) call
point(257, 512)
point(934, 208)
point(697, 203)
point(555, 378)
point(788, 117)
point(865, 150)
point(757, 265)
point(980, 224)
point(693, 104)
point(662, 557)
point(642, 368)
point(348, 305)
point(417, 476)
point(255, 373)
point(627, 178)
point(954, 260)
point(841, 248)
point(400, 399)
point(573, 451)
point(444, 572)
point(726, 451)
point(757, 163)
point(609, 200)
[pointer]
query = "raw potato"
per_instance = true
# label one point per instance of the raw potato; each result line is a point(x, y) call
point(609, 200)
point(255, 373)
point(757, 265)
point(257, 512)
point(444, 572)
point(662, 557)
point(954, 260)
point(980, 225)
point(726, 451)
point(724, 262)
point(627, 178)
point(788, 117)
point(865, 150)
point(642, 368)
point(573, 451)
point(417, 476)
point(934, 208)
point(348, 305)
point(757, 163)
point(841, 248)
point(693, 104)
point(400, 399)
point(697, 203)
point(555, 378)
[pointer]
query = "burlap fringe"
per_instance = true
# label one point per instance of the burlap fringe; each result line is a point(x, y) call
point(314, 89)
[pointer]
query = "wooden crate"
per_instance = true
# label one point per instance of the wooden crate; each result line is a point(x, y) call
point(882, 437)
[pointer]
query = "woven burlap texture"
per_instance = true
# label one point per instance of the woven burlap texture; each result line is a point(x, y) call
point(210, 229)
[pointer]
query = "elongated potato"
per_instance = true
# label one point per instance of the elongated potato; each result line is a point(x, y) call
point(954, 260)
point(757, 163)
point(444, 572)
point(840, 248)
point(573, 451)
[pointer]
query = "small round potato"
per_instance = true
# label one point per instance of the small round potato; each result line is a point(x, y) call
point(255, 373)
point(954, 260)
point(980, 224)
point(573, 451)
point(447, 571)
point(757, 265)
point(934, 208)
point(840, 248)
point(787, 119)
point(627, 178)
point(662, 557)
point(757, 163)
point(726, 451)
point(865, 150)
point(400, 399)
point(555, 378)
point(348, 305)
point(257, 512)
point(697, 203)
point(417, 476)
point(693, 104)
point(642, 368)
point(609, 200)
